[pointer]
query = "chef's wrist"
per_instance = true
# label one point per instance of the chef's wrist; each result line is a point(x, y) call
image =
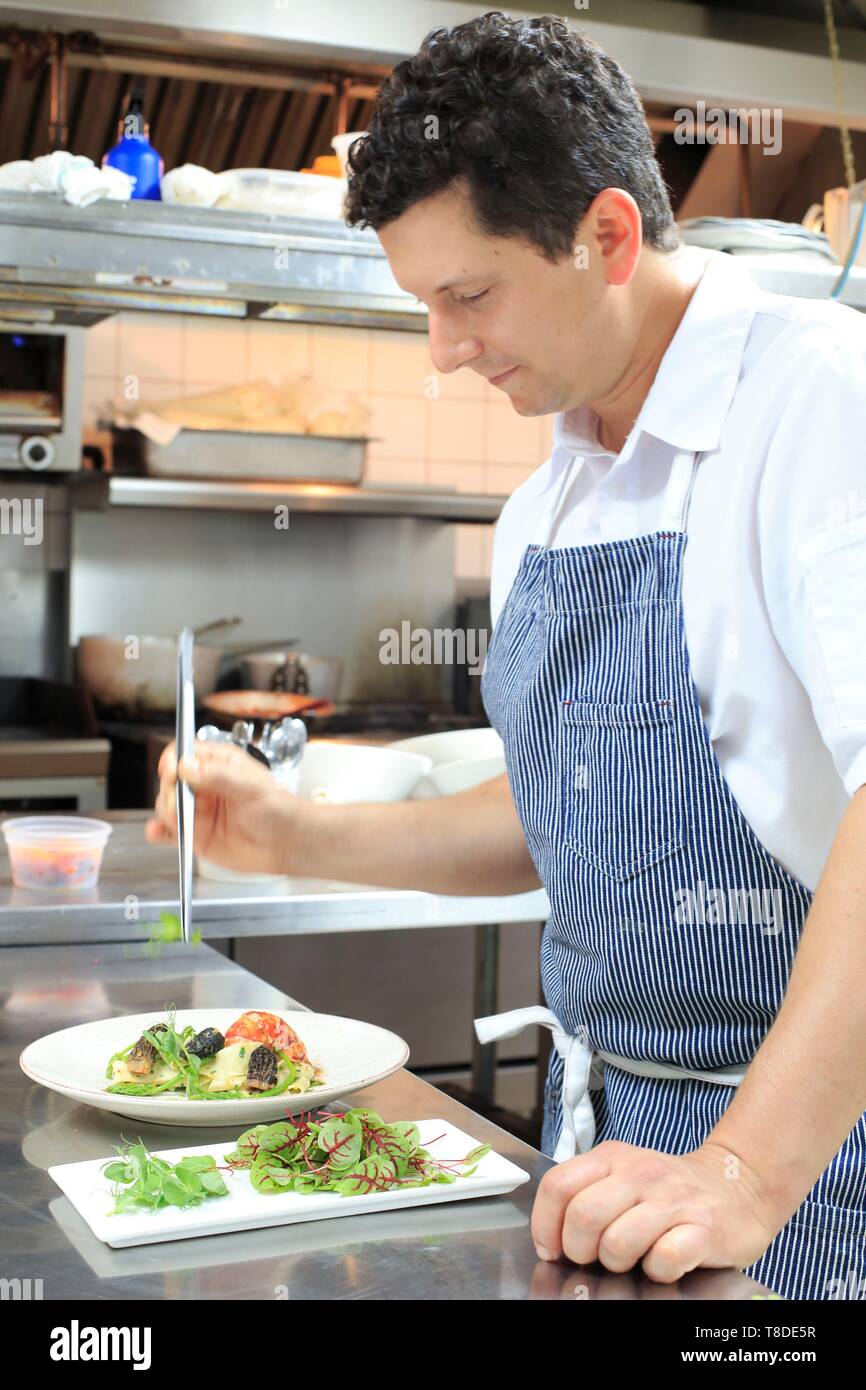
point(287, 832)
point(775, 1178)
point(307, 836)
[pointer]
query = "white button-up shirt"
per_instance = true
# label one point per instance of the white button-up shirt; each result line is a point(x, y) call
point(771, 390)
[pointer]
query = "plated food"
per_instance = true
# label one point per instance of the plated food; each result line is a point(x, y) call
point(351, 1154)
point(259, 1054)
point(364, 1164)
point(345, 1053)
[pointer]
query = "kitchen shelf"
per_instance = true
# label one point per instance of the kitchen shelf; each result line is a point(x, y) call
point(94, 492)
point(64, 262)
point(164, 257)
point(806, 277)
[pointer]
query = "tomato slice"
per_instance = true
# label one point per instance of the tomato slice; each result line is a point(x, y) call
point(266, 1028)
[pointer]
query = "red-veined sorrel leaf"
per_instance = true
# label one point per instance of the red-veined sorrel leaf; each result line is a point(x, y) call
point(362, 1177)
point(340, 1140)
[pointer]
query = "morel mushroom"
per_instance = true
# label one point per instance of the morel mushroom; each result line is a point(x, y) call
point(206, 1043)
point(143, 1055)
point(262, 1070)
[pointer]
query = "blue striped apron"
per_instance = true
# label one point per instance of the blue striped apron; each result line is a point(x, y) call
point(672, 929)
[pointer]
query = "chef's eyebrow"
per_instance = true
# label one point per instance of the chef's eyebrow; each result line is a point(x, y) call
point(462, 280)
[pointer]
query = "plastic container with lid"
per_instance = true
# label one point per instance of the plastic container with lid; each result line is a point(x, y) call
point(282, 193)
point(55, 852)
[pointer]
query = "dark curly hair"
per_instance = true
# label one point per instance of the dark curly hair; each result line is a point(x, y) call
point(533, 116)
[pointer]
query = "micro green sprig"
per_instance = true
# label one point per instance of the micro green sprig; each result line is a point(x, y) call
point(142, 1180)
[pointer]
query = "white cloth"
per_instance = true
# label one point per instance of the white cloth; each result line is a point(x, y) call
point(772, 391)
point(74, 176)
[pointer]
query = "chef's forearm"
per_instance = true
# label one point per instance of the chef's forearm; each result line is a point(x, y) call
point(806, 1087)
point(469, 843)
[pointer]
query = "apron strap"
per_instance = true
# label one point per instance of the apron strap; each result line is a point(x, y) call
point(675, 503)
point(583, 1072)
point(678, 493)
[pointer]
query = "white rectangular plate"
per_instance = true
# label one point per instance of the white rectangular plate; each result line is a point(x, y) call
point(245, 1209)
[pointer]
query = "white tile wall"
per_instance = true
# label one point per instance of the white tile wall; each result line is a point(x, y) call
point(102, 342)
point(399, 427)
point(456, 430)
point(467, 476)
point(275, 350)
point(214, 351)
point(427, 428)
point(151, 346)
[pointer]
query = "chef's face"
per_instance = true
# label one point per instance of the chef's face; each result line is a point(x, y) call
point(550, 336)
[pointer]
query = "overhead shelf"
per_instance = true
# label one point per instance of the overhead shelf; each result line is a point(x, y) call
point(80, 264)
point(172, 259)
point(807, 277)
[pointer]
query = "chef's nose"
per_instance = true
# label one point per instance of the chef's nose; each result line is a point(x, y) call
point(446, 350)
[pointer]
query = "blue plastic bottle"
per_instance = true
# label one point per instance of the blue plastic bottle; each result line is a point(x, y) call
point(134, 153)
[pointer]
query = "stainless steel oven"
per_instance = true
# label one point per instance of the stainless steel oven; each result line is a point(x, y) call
point(41, 388)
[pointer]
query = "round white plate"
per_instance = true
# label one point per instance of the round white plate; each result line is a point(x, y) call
point(73, 1062)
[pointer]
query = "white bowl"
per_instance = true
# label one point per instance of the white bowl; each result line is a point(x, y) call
point(448, 778)
point(479, 753)
point(453, 745)
point(341, 773)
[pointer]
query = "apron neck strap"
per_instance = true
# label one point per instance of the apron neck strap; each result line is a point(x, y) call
point(678, 493)
point(675, 503)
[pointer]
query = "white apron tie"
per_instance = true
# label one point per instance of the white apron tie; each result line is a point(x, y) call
point(584, 1071)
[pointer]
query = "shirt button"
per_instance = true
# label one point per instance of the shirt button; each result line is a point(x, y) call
point(616, 489)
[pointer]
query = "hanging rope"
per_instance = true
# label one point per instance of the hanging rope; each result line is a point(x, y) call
point(836, 64)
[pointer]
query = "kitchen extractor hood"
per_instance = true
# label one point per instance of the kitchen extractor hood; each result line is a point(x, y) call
point(674, 52)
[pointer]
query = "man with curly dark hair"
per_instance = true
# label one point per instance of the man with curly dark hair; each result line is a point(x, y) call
point(486, 152)
point(676, 672)
point(511, 177)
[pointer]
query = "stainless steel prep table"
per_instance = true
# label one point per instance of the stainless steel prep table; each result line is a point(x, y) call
point(469, 1250)
point(139, 880)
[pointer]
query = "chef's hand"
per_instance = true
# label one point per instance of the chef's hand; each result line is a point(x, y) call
point(241, 816)
point(622, 1205)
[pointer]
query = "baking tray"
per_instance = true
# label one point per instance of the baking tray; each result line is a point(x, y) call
point(244, 454)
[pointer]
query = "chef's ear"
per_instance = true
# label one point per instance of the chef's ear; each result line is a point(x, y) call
point(613, 228)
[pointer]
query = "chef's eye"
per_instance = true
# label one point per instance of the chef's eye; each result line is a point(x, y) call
point(472, 298)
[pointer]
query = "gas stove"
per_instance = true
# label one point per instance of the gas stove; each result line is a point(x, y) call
point(396, 720)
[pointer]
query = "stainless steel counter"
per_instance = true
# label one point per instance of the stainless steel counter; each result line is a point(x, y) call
point(479, 1250)
point(139, 880)
point(211, 494)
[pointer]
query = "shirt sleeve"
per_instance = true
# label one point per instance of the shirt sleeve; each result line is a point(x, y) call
point(812, 522)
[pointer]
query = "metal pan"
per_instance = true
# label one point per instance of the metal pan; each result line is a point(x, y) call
point(132, 678)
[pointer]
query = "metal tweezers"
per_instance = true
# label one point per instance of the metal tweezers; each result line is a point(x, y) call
point(185, 743)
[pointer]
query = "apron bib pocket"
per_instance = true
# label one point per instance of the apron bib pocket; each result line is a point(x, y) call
point(622, 793)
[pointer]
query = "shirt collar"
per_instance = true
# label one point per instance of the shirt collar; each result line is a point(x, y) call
point(695, 383)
